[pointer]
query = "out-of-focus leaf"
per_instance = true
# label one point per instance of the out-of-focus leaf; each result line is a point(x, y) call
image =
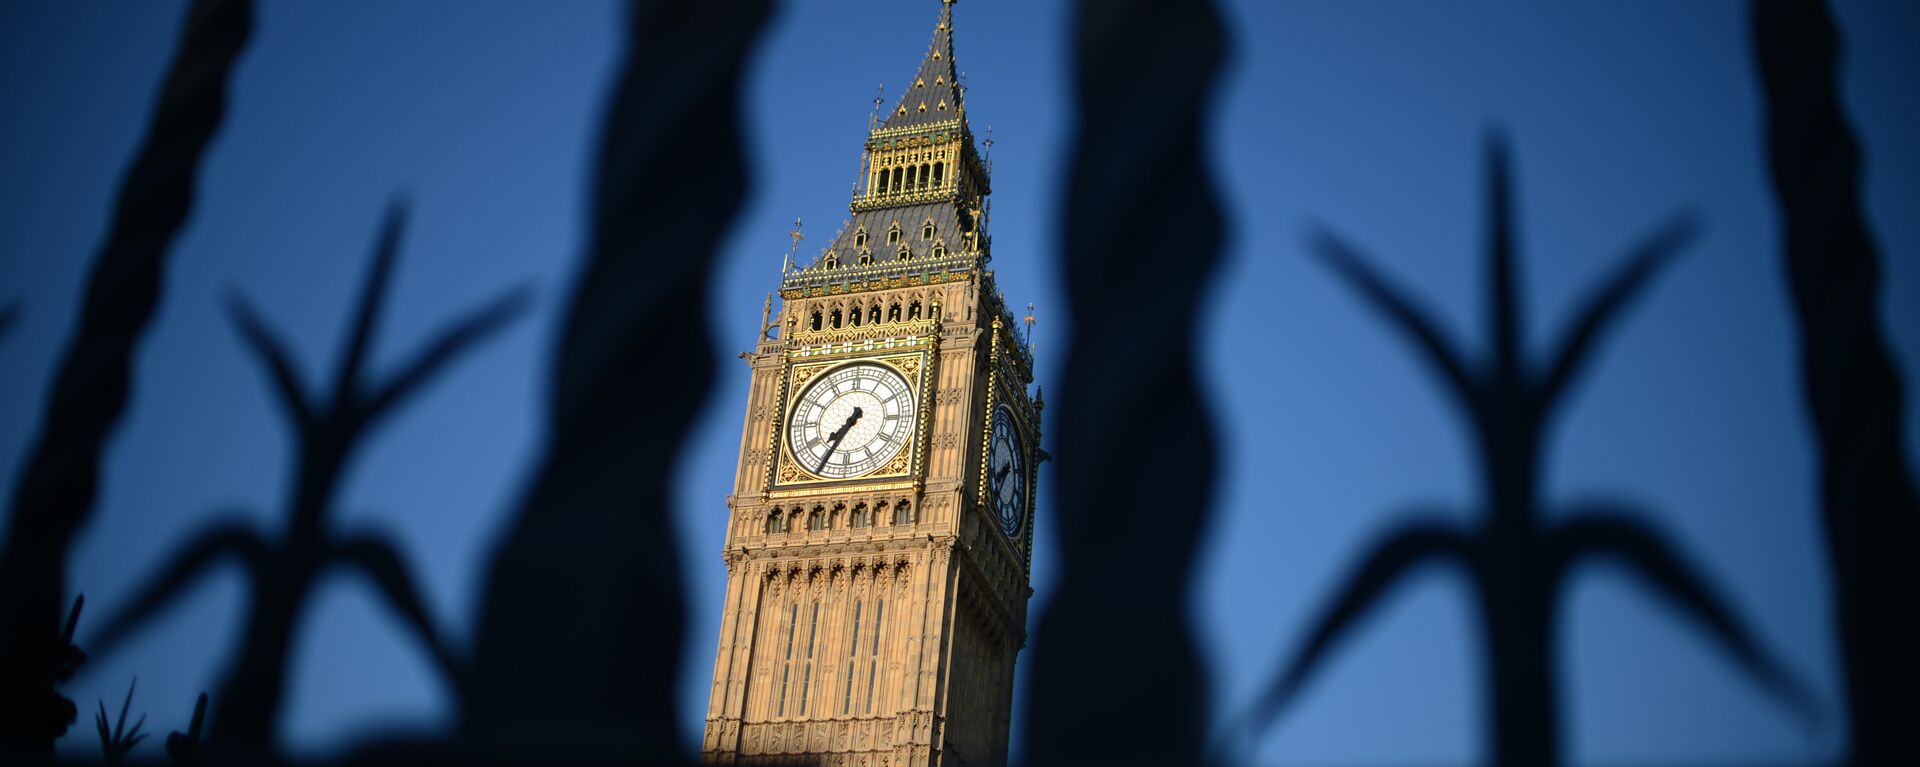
point(456, 338)
point(1401, 310)
point(1608, 531)
point(1604, 305)
point(381, 564)
point(373, 298)
point(272, 353)
point(232, 538)
point(1405, 549)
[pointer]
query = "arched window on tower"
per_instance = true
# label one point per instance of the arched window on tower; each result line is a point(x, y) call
point(776, 521)
point(905, 253)
point(893, 313)
point(786, 666)
point(926, 175)
point(873, 314)
point(833, 320)
point(913, 310)
point(853, 656)
point(860, 238)
point(816, 319)
point(873, 653)
point(898, 179)
point(853, 318)
point(817, 521)
point(859, 516)
point(939, 173)
point(806, 664)
point(902, 513)
point(893, 235)
point(939, 250)
point(926, 231)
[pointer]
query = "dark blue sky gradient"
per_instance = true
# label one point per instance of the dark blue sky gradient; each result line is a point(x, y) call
point(1368, 117)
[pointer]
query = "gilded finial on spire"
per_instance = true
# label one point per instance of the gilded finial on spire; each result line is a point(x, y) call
point(793, 249)
point(1029, 321)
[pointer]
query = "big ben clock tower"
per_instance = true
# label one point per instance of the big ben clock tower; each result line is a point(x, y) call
point(880, 523)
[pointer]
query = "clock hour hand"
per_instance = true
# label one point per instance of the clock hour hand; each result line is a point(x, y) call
point(833, 440)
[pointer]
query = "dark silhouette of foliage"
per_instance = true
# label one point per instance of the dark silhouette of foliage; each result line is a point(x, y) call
point(55, 492)
point(1516, 558)
point(67, 659)
point(1147, 70)
point(185, 747)
point(1868, 499)
point(329, 429)
point(68, 655)
point(116, 742)
point(578, 640)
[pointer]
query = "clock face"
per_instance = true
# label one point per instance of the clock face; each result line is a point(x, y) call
point(851, 421)
point(1007, 474)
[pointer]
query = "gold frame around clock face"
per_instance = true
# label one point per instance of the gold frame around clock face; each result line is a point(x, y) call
point(806, 379)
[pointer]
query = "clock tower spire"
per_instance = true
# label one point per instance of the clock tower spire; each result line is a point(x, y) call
point(880, 523)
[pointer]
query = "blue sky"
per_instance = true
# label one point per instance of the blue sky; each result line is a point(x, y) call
point(1367, 117)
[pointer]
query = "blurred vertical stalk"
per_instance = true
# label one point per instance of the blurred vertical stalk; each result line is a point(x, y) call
point(1113, 652)
point(1867, 494)
point(56, 487)
point(578, 641)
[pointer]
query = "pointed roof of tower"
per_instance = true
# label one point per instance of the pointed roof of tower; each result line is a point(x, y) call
point(934, 95)
point(923, 227)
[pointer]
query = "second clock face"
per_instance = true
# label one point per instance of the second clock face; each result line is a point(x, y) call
point(851, 421)
point(1007, 474)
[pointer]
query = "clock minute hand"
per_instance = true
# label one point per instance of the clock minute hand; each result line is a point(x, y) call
point(833, 440)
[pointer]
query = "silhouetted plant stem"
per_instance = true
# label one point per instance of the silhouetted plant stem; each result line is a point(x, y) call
point(578, 641)
point(184, 747)
point(1516, 558)
point(116, 742)
point(330, 429)
point(1145, 75)
point(1869, 503)
point(55, 491)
